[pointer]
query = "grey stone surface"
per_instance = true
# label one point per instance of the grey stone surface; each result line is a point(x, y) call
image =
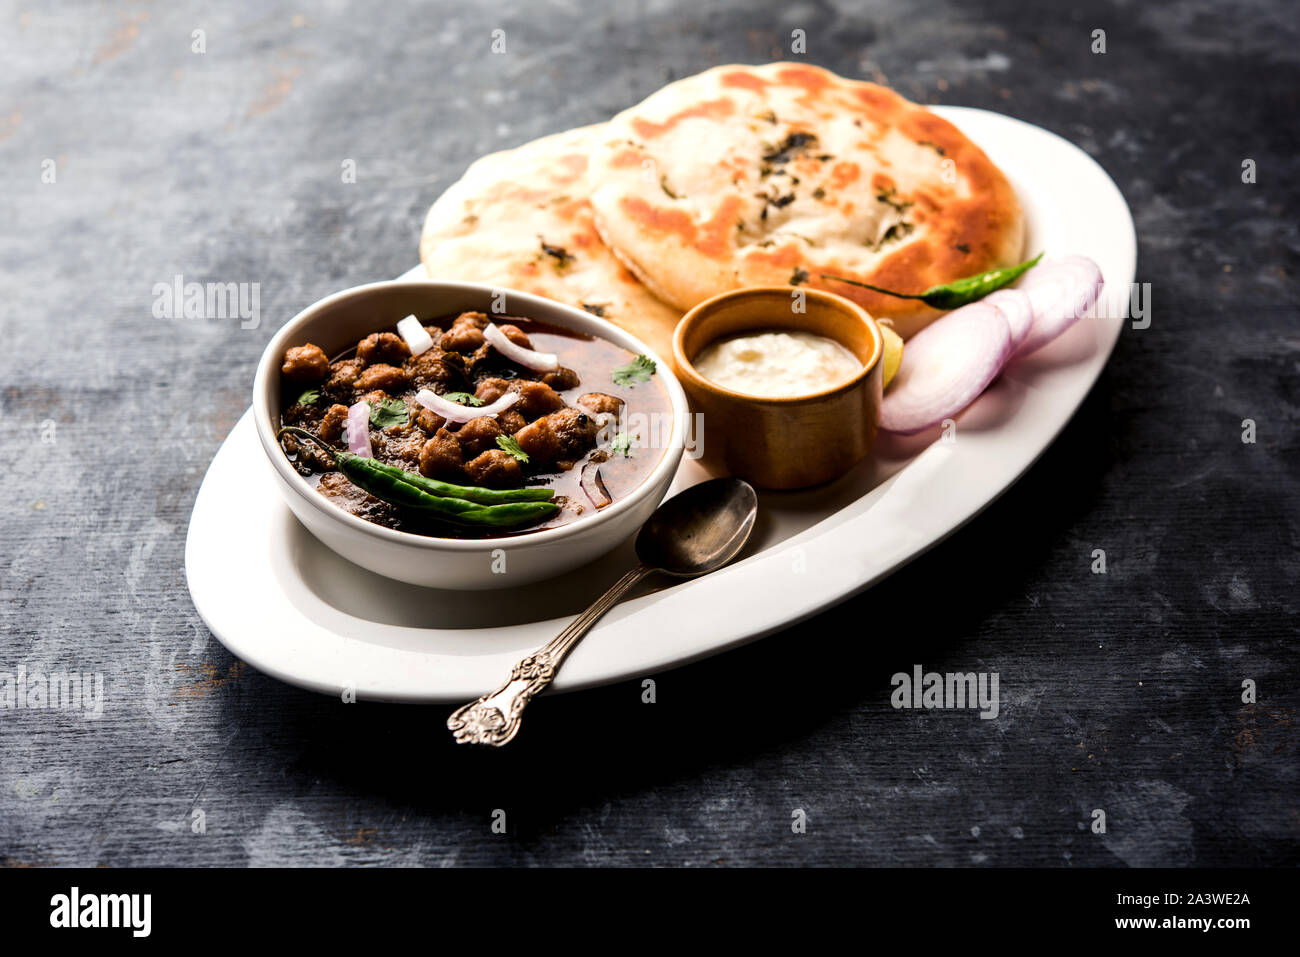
point(1120, 692)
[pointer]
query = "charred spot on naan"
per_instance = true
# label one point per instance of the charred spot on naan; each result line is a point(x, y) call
point(786, 256)
point(743, 79)
point(715, 239)
point(649, 129)
point(712, 238)
point(812, 80)
point(659, 219)
point(628, 156)
point(570, 169)
point(843, 174)
point(879, 102)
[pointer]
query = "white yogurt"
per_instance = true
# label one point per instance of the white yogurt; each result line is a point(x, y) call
point(777, 364)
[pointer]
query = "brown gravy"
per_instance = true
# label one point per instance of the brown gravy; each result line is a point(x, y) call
point(644, 422)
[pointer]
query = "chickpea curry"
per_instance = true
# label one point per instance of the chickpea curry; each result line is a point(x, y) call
point(473, 427)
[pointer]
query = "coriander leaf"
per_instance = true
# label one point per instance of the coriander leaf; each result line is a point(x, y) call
point(622, 445)
point(639, 369)
point(463, 398)
point(508, 443)
point(388, 412)
point(562, 256)
point(793, 145)
point(309, 397)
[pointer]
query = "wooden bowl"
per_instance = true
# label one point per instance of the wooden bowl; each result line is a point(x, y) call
point(783, 443)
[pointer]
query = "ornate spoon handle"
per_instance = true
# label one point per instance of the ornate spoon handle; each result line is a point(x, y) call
point(494, 718)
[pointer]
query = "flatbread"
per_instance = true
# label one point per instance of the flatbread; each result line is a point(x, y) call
point(743, 176)
point(520, 219)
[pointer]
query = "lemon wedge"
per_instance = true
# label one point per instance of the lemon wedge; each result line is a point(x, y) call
point(893, 356)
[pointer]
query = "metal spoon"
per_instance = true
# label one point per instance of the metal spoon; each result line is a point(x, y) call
point(691, 534)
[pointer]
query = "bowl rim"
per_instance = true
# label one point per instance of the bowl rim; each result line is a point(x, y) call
point(686, 366)
point(567, 316)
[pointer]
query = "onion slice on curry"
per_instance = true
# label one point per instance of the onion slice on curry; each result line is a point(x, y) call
point(358, 430)
point(417, 337)
point(455, 412)
point(528, 358)
point(594, 485)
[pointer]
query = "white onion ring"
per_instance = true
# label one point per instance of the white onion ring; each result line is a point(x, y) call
point(528, 358)
point(417, 337)
point(357, 430)
point(1060, 291)
point(945, 366)
point(1016, 309)
point(455, 412)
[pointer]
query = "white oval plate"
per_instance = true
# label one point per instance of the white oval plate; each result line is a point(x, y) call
point(290, 607)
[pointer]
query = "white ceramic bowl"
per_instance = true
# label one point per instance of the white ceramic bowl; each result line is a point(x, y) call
point(342, 319)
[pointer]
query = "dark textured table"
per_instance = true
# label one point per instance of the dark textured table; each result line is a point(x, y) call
point(128, 159)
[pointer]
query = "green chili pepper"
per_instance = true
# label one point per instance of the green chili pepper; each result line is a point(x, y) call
point(950, 295)
point(400, 487)
point(383, 485)
point(475, 493)
point(379, 482)
point(507, 514)
point(470, 493)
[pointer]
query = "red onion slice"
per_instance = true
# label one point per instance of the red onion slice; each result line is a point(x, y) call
point(357, 429)
point(1016, 309)
point(417, 337)
point(1060, 291)
point(594, 486)
point(945, 366)
point(455, 412)
point(528, 358)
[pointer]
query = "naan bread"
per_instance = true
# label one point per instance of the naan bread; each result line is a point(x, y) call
point(520, 219)
point(743, 176)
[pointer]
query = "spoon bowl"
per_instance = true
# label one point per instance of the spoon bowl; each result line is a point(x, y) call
point(700, 529)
